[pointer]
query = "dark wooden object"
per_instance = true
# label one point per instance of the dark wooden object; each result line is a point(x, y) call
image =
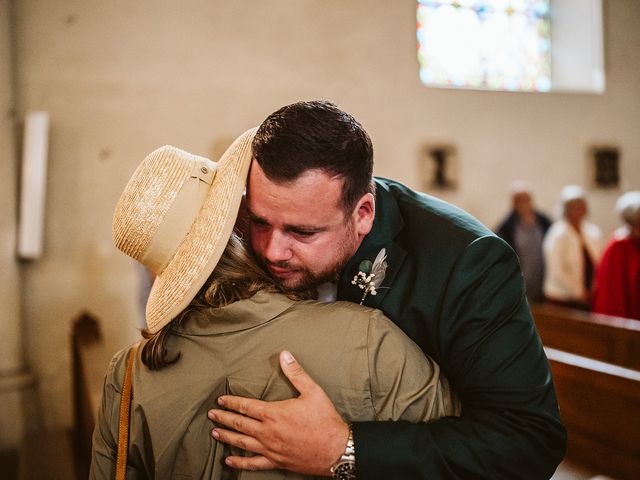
point(602, 337)
point(600, 405)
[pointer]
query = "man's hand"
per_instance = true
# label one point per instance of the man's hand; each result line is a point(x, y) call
point(304, 434)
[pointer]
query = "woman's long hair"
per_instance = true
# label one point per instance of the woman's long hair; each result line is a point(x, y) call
point(237, 276)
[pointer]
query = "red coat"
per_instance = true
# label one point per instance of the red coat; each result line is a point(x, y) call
point(617, 283)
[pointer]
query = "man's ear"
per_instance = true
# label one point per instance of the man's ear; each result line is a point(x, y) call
point(363, 214)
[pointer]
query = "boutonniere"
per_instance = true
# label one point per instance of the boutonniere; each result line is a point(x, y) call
point(370, 275)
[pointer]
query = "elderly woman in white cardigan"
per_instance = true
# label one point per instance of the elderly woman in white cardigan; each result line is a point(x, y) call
point(572, 248)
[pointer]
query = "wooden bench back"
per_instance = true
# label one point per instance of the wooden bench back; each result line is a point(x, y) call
point(601, 337)
point(89, 357)
point(600, 406)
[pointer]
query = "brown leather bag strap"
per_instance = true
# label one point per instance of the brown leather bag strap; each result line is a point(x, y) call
point(125, 408)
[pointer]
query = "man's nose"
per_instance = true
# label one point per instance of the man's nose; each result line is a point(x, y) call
point(277, 248)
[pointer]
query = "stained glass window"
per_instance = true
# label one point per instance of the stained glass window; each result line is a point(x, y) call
point(486, 44)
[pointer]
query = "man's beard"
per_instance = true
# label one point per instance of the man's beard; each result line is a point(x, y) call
point(309, 280)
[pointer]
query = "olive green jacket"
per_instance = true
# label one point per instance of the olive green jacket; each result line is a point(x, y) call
point(456, 290)
point(368, 367)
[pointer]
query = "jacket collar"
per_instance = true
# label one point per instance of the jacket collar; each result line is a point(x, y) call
point(241, 315)
point(387, 225)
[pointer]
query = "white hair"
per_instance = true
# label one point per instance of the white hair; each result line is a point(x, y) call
point(628, 207)
point(569, 194)
point(519, 186)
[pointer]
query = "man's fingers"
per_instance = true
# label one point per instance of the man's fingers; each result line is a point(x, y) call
point(235, 421)
point(295, 373)
point(250, 463)
point(246, 406)
point(236, 439)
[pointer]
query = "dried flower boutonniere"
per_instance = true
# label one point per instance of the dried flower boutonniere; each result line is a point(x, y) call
point(371, 275)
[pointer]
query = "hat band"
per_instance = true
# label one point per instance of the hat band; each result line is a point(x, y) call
point(181, 214)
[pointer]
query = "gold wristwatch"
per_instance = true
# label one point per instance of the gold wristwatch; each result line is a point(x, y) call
point(345, 469)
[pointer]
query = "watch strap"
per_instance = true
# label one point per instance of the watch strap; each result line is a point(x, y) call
point(345, 468)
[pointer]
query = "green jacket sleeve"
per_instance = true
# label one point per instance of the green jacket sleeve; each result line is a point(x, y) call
point(510, 426)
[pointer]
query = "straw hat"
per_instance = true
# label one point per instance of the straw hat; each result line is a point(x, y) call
point(175, 217)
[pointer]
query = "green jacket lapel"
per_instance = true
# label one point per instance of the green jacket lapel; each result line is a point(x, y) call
point(386, 226)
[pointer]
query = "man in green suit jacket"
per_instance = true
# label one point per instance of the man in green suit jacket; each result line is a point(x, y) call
point(450, 284)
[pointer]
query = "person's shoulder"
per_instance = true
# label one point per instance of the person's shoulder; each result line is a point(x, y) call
point(592, 229)
point(621, 244)
point(116, 368)
point(367, 319)
point(425, 214)
point(558, 228)
point(339, 322)
point(506, 222)
point(335, 310)
point(543, 219)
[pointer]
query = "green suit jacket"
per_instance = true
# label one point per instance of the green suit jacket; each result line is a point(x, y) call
point(456, 290)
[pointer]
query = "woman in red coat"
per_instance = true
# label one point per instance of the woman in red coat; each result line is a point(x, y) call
point(617, 283)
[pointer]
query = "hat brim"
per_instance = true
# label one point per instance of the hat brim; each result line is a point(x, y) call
point(196, 257)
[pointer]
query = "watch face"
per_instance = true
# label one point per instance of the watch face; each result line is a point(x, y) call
point(345, 471)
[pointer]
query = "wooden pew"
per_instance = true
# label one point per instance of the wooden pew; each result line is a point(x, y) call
point(48, 454)
point(602, 337)
point(66, 453)
point(600, 405)
point(90, 360)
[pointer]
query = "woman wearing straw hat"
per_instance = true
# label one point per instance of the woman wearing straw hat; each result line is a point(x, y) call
point(216, 324)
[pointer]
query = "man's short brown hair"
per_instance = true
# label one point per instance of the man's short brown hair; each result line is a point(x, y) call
point(316, 135)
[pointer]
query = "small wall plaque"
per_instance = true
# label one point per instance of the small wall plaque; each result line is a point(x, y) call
point(438, 167)
point(605, 166)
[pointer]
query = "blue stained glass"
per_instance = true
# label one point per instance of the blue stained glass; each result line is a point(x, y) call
point(494, 44)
